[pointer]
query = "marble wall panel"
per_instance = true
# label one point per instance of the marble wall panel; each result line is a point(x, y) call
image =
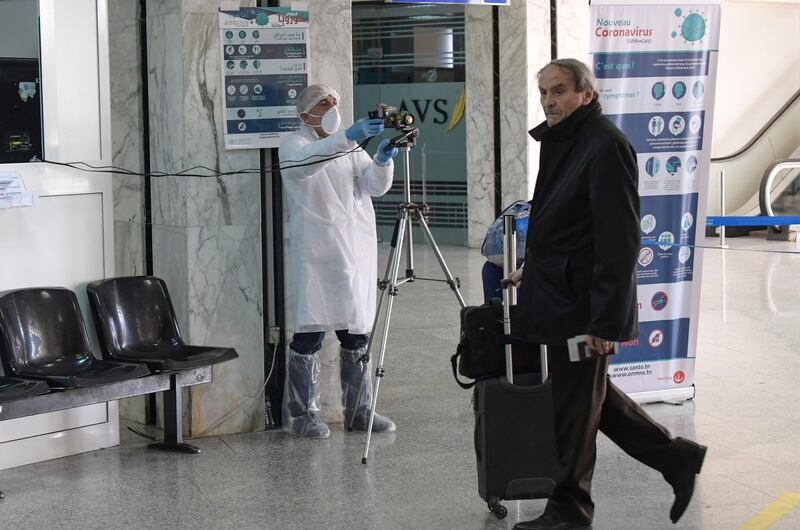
point(219, 200)
point(128, 248)
point(170, 263)
point(167, 120)
point(539, 54)
point(331, 49)
point(573, 29)
point(122, 10)
point(479, 115)
point(126, 108)
point(225, 308)
point(205, 6)
point(524, 48)
point(164, 7)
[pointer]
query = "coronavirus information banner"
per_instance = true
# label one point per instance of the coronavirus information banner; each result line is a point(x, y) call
point(656, 67)
point(264, 67)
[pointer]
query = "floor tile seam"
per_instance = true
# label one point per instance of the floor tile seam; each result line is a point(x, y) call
point(68, 523)
point(744, 350)
point(744, 431)
point(741, 483)
point(739, 456)
point(117, 483)
point(788, 445)
point(226, 444)
point(727, 420)
point(782, 466)
point(789, 435)
point(727, 503)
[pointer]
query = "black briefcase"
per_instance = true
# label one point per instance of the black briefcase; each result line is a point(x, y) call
point(481, 347)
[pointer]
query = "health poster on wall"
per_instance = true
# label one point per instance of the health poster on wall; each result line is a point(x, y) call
point(656, 68)
point(264, 55)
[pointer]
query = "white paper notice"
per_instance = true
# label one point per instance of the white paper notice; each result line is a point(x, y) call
point(13, 192)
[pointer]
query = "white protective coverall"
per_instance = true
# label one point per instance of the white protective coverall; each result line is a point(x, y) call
point(333, 249)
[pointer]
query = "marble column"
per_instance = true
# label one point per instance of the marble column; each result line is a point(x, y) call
point(126, 144)
point(479, 122)
point(330, 62)
point(573, 29)
point(331, 51)
point(126, 135)
point(206, 231)
point(524, 49)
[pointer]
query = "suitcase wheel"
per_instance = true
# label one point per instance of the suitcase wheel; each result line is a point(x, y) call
point(497, 509)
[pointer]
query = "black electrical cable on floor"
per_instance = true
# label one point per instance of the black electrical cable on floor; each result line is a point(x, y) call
point(143, 435)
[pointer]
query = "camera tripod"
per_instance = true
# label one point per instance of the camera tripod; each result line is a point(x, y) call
point(407, 212)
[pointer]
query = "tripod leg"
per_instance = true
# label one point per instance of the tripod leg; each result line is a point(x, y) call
point(432, 242)
point(385, 282)
point(395, 266)
point(379, 306)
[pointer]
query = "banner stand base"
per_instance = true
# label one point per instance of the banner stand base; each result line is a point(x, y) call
point(674, 396)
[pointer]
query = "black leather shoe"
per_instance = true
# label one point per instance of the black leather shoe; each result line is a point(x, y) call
point(683, 483)
point(549, 522)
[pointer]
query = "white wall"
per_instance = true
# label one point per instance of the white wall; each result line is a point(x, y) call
point(19, 28)
point(759, 68)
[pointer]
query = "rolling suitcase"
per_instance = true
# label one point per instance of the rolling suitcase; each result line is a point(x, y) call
point(515, 445)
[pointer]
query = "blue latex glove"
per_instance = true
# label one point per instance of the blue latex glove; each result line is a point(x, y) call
point(364, 128)
point(385, 153)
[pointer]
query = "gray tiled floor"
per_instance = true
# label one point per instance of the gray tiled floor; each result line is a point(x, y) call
point(423, 476)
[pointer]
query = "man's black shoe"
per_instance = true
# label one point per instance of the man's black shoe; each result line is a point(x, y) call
point(683, 484)
point(549, 522)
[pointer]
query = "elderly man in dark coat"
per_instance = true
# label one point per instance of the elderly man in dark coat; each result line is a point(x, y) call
point(579, 278)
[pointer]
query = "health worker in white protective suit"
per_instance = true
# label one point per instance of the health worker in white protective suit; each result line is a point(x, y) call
point(333, 255)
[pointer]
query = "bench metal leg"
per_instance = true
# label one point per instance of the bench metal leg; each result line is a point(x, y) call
point(173, 421)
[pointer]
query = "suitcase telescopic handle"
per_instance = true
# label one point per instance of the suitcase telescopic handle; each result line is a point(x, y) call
point(510, 295)
point(509, 291)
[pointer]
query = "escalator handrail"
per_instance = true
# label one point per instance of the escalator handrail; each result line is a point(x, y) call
point(765, 190)
point(791, 101)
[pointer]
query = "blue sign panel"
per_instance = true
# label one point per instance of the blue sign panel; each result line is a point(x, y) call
point(646, 64)
point(667, 339)
point(654, 132)
point(668, 236)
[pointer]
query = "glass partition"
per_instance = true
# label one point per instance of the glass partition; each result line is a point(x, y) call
point(413, 58)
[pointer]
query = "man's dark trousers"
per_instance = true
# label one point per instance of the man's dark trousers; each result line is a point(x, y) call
point(584, 401)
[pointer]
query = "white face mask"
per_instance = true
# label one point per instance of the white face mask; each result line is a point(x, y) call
point(330, 121)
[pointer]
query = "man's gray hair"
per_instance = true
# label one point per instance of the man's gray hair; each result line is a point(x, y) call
point(583, 76)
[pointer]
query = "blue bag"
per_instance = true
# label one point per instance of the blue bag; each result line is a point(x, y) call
point(492, 248)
